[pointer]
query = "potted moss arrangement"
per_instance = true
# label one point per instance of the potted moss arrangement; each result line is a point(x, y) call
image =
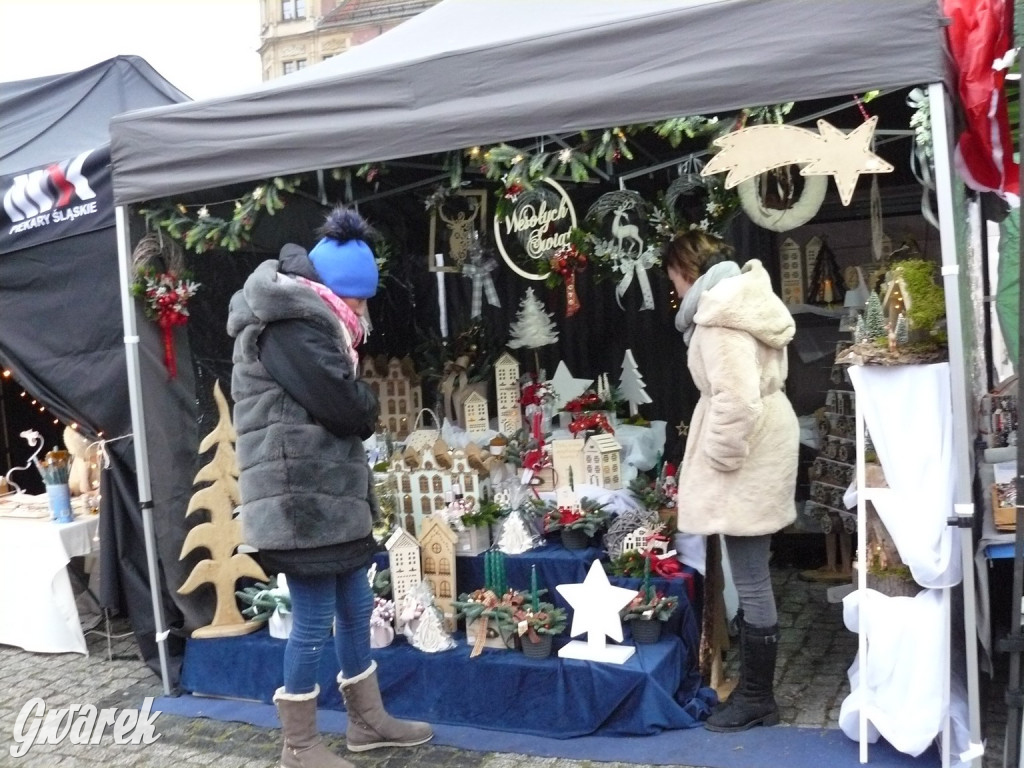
point(903, 325)
point(577, 524)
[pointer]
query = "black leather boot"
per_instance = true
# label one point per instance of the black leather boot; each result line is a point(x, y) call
point(739, 684)
point(753, 701)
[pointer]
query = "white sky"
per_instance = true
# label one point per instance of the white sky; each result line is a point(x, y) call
point(205, 48)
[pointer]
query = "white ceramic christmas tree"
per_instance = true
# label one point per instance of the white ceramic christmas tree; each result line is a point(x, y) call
point(430, 635)
point(533, 327)
point(515, 537)
point(631, 384)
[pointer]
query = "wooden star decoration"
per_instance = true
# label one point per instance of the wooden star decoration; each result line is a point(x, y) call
point(596, 604)
point(751, 151)
point(566, 387)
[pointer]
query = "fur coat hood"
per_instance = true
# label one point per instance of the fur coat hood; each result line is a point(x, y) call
point(747, 303)
point(738, 475)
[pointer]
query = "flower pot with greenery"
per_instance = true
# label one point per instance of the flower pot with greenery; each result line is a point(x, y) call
point(488, 618)
point(578, 524)
point(646, 612)
point(537, 623)
point(270, 602)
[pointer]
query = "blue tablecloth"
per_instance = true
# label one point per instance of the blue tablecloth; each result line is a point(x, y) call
point(498, 690)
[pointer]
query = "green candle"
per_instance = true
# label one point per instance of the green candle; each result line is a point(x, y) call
point(533, 588)
point(647, 578)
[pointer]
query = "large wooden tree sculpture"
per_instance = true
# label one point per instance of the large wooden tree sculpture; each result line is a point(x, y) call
point(222, 534)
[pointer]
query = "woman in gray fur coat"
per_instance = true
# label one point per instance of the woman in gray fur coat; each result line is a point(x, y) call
point(301, 413)
point(738, 473)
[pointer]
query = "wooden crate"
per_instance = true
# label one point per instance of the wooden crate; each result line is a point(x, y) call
point(1004, 518)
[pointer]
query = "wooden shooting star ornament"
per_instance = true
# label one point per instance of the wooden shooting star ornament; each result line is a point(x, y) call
point(751, 151)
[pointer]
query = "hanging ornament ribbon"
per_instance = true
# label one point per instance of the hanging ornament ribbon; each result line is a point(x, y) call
point(479, 272)
point(636, 265)
point(456, 376)
point(167, 323)
point(566, 262)
point(920, 152)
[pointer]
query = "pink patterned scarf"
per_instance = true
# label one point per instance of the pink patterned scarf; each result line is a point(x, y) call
point(349, 319)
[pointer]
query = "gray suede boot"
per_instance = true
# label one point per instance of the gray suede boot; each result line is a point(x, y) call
point(303, 747)
point(369, 726)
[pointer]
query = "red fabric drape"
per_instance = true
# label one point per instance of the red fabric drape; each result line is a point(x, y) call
point(981, 33)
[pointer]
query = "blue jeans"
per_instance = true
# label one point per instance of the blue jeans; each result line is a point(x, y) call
point(316, 600)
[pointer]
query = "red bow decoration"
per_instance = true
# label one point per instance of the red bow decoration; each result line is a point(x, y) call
point(566, 262)
point(586, 402)
point(594, 421)
point(664, 567)
point(166, 296)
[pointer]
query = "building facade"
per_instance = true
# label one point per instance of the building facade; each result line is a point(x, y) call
point(295, 34)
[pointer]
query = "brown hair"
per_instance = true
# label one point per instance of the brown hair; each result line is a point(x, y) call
point(694, 252)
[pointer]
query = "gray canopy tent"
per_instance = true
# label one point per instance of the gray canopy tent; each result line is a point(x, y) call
point(468, 72)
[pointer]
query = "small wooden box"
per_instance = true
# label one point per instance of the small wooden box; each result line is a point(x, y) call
point(494, 638)
point(1004, 518)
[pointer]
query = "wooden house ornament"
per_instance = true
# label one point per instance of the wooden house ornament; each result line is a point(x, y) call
point(566, 458)
point(896, 301)
point(424, 478)
point(475, 416)
point(602, 461)
point(404, 562)
point(398, 390)
point(437, 547)
point(506, 385)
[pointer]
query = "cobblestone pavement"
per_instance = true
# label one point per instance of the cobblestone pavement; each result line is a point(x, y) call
point(814, 655)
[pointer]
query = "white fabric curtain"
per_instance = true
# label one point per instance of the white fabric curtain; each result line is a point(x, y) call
point(908, 414)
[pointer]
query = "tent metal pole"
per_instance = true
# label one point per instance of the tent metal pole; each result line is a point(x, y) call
point(131, 349)
point(1015, 637)
point(962, 443)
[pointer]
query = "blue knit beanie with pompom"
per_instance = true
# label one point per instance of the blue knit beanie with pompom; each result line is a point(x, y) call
point(343, 258)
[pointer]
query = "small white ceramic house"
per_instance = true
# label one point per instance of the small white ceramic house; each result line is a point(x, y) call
point(404, 561)
point(437, 545)
point(637, 540)
point(475, 416)
point(506, 385)
point(602, 461)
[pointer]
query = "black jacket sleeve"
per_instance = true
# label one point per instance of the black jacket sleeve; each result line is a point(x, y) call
point(308, 365)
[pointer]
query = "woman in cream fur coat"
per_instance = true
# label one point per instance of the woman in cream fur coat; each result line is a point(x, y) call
point(739, 467)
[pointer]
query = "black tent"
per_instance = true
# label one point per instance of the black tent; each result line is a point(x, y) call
point(60, 333)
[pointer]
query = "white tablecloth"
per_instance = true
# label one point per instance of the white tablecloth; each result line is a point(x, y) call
point(34, 552)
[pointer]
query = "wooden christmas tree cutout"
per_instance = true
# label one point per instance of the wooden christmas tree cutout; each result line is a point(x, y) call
point(223, 533)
